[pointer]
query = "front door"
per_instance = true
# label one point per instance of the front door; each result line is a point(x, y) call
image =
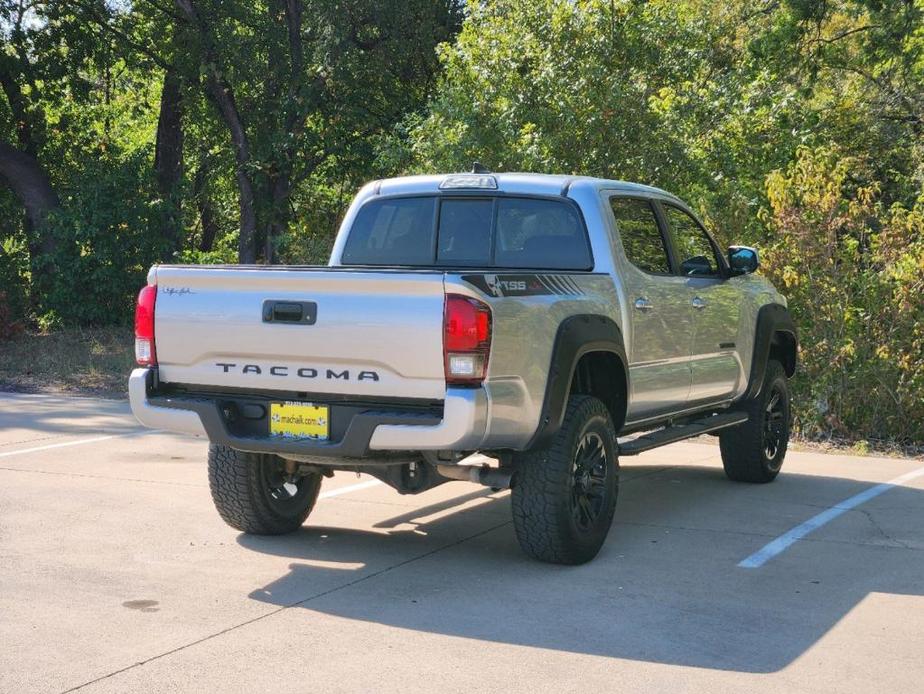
point(658, 334)
point(716, 306)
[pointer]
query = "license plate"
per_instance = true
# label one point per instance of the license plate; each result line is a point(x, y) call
point(299, 420)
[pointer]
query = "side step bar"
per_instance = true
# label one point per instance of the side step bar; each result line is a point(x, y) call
point(679, 432)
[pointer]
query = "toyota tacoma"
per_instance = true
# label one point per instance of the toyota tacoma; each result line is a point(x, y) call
point(551, 324)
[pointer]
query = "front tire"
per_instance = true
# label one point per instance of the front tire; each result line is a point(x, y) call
point(252, 492)
point(754, 451)
point(564, 496)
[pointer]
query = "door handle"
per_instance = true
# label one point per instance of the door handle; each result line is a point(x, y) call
point(642, 304)
point(698, 303)
point(304, 312)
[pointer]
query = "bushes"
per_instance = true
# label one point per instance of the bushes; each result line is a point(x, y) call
point(107, 237)
point(14, 300)
point(9, 326)
point(853, 271)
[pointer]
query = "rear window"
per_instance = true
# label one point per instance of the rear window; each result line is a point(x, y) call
point(465, 232)
point(502, 232)
point(392, 232)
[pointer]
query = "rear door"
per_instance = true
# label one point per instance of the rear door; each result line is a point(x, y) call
point(716, 306)
point(661, 320)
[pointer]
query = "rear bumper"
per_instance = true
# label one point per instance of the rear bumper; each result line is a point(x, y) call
point(156, 416)
point(461, 428)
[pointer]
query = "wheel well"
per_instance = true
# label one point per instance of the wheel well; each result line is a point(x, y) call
point(603, 375)
point(783, 349)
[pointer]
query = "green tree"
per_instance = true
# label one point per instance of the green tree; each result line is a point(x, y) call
point(794, 126)
point(853, 269)
point(204, 130)
point(300, 85)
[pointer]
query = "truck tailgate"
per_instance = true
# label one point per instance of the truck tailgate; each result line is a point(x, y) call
point(373, 333)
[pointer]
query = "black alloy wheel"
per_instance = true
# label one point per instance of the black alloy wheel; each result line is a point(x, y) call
point(589, 475)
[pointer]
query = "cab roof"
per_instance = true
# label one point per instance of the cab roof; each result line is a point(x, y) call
point(522, 183)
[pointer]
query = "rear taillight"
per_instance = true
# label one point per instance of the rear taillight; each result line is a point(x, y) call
point(145, 354)
point(466, 339)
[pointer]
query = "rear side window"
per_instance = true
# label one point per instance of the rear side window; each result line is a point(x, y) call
point(540, 234)
point(640, 235)
point(501, 232)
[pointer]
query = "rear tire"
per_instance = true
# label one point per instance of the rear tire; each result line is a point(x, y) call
point(754, 451)
point(252, 492)
point(564, 496)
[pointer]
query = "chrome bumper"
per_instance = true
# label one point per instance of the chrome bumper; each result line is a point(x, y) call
point(465, 417)
point(165, 418)
point(462, 428)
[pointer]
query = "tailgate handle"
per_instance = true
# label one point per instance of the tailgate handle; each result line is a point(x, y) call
point(305, 312)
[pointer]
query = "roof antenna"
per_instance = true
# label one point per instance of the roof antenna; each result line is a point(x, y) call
point(479, 168)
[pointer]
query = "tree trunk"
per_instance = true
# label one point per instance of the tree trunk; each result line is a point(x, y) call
point(222, 96)
point(279, 214)
point(246, 244)
point(29, 182)
point(27, 179)
point(168, 158)
point(25, 130)
point(207, 218)
point(208, 222)
point(279, 184)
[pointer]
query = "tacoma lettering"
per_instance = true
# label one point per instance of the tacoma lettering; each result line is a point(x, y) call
point(300, 372)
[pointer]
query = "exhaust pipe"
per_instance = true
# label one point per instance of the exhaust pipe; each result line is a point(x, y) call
point(479, 474)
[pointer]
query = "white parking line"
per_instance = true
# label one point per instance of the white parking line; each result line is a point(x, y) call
point(96, 439)
point(349, 488)
point(783, 542)
point(23, 451)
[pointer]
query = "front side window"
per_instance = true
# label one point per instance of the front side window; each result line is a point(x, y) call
point(695, 252)
point(640, 235)
point(497, 232)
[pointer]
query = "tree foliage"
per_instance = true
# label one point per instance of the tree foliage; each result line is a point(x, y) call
point(853, 270)
point(795, 126)
point(135, 131)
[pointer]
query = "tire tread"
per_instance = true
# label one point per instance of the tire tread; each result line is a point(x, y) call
point(537, 492)
point(742, 446)
point(236, 486)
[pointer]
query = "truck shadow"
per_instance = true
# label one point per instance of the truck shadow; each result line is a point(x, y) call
point(664, 589)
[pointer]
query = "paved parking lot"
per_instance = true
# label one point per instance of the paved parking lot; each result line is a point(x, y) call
point(117, 575)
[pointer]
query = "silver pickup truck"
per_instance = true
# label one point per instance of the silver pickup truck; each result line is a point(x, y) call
point(530, 319)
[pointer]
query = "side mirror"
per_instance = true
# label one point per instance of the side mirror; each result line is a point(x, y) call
point(742, 259)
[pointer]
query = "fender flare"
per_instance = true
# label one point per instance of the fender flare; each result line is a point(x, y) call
point(576, 336)
point(771, 319)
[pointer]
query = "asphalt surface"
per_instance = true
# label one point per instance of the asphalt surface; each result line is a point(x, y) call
point(116, 575)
